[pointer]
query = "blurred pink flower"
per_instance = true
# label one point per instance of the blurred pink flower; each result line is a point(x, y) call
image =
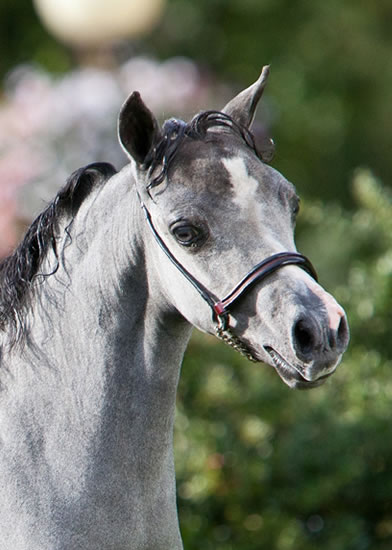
point(51, 126)
point(8, 233)
point(16, 168)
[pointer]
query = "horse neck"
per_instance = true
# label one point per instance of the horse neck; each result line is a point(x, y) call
point(101, 283)
point(101, 362)
point(99, 310)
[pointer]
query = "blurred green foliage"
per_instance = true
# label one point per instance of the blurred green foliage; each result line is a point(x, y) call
point(258, 465)
point(328, 98)
point(24, 40)
point(262, 466)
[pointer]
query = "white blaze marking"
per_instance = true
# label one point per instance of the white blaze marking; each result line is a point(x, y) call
point(244, 185)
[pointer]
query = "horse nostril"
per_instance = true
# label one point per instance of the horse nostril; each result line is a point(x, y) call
point(312, 341)
point(342, 334)
point(303, 337)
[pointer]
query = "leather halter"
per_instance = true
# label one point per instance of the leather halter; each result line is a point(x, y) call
point(221, 308)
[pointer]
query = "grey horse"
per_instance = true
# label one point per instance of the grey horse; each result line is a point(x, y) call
point(96, 310)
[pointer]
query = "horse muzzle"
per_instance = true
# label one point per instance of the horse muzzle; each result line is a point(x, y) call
point(316, 348)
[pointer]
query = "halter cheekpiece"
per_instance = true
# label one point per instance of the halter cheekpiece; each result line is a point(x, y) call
point(221, 307)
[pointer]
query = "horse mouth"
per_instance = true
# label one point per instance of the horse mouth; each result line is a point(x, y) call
point(291, 374)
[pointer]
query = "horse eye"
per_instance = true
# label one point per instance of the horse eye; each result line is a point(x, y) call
point(295, 210)
point(187, 234)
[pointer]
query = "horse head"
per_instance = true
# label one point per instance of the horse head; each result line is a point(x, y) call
point(225, 220)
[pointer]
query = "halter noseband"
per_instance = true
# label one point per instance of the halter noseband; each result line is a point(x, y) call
point(221, 308)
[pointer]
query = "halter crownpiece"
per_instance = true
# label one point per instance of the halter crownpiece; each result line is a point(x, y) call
point(221, 308)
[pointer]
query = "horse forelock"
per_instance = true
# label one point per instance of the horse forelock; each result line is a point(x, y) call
point(174, 132)
point(19, 270)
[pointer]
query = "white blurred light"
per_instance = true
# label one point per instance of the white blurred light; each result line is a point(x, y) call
point(89, 23)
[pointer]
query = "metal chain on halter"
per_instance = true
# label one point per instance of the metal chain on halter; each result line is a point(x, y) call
point(229, 338)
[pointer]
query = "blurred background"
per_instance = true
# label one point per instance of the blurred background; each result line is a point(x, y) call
point(258, 465)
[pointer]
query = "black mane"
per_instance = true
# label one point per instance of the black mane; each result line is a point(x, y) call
point(18, 271)
point(174, 132)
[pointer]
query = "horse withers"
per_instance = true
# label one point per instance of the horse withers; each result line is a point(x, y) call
point(97, 306)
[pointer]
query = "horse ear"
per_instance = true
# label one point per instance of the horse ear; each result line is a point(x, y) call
point(242, 108)
point(138, 129)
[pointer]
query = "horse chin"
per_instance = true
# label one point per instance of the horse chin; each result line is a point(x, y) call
point(291, 375)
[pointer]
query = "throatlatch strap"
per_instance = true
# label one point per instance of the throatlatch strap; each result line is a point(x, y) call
point(198, 286)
